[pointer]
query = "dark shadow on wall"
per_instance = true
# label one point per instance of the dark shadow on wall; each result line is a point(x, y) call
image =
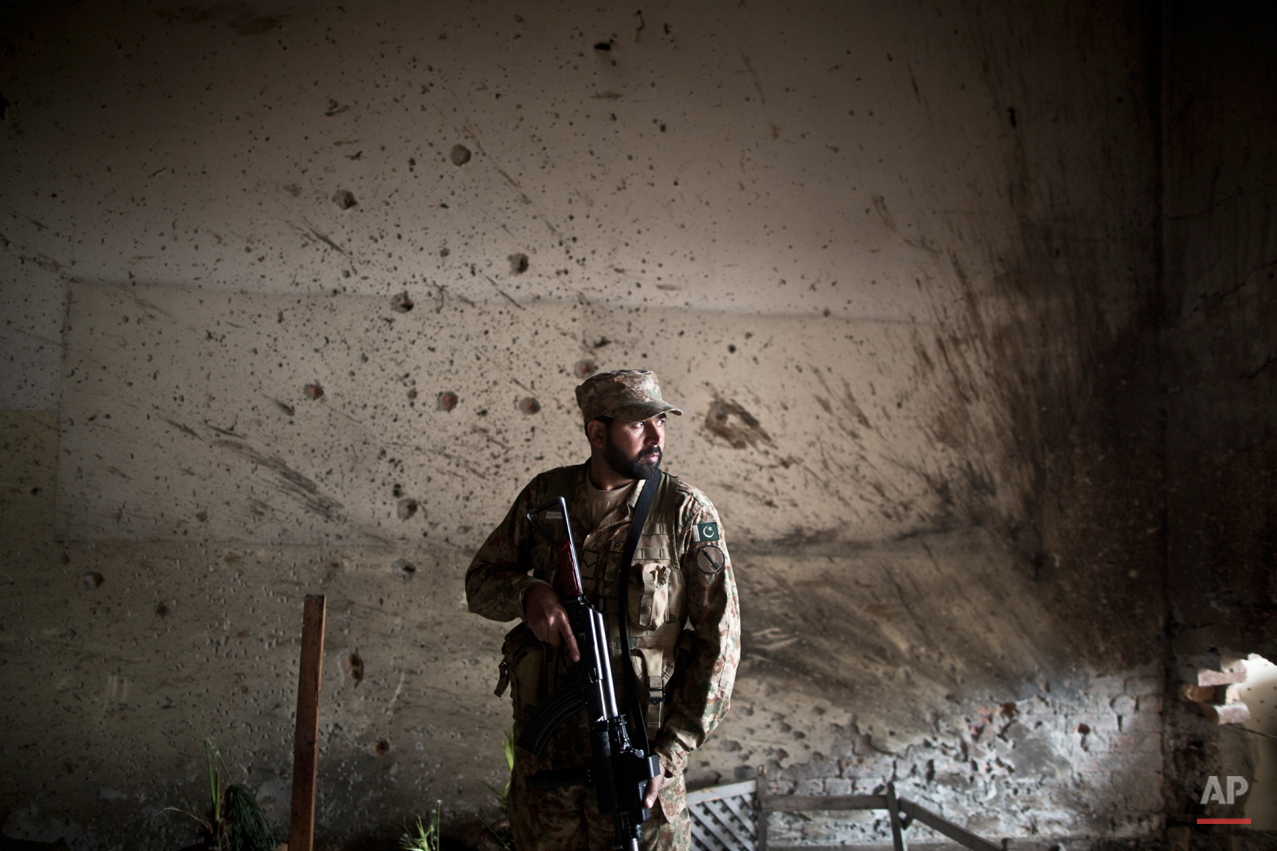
point(1219, 344)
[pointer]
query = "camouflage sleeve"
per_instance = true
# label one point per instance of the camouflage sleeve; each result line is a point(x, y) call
point(701, 690)
point(499, 576)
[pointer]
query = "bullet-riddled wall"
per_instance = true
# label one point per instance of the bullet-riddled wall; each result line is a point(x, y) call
point(295, 299)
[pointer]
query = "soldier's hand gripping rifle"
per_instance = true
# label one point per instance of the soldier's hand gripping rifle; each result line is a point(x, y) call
point(617, 771)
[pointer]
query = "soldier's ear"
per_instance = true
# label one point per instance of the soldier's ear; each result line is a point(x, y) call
point(596, 432)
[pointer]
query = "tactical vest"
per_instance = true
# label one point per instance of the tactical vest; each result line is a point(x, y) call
point(657, 600)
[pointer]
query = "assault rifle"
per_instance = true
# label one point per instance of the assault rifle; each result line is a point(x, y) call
point(617, 771)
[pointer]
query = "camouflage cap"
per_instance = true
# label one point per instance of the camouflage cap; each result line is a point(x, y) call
point(626, 394)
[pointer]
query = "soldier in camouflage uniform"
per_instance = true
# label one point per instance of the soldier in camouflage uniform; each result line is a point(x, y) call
point(683, 615)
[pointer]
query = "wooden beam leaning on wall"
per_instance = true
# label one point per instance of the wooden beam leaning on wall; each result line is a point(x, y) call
point(301, 824)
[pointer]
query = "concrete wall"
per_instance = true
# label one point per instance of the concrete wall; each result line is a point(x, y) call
point(897, 264)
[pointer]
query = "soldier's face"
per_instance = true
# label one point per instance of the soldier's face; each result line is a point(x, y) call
point(633, 450)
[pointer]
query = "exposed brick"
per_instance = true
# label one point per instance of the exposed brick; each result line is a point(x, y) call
point(837, 786)
point(1228, 713)
point(781, 787)
point(872, 767)
point(1207, 677)
point(1149, 703)
point(811, 770)
point(814, 786)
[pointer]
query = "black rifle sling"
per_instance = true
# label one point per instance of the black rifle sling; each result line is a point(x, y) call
point(641, 509)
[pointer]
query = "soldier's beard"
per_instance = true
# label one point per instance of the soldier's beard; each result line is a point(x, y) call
point(641, 466)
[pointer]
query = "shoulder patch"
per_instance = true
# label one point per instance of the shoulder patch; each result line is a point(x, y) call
point(704, 532)
point(710, 560)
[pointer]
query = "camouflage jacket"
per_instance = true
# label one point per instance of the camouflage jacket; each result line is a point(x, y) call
point(681, 581)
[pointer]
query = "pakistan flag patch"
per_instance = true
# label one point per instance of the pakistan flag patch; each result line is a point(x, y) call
point(703, 532)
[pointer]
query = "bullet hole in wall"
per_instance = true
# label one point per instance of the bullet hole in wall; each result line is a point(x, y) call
point(460, 155)
point(444, 252)
point(314, 391)
point(604, 45)
point(731, 349)
point(345, 199)
point(93, 580)
point(518, 263)
point(381, 747)
point(402, 302)
point(585, 368)
point(407, 508)
point(355, 667)
point(404, 569)
point(529, 405)
point(161, 609)
point(447, 400)
point(397, 490)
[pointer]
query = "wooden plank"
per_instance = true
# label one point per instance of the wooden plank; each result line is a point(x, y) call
point(709, 836)
point(744, 812)
point(301, 825)
point(742, 835)
point(712, 793)
point(701, 839)
point(893, 814)
point(711, 820)
point(944, 826)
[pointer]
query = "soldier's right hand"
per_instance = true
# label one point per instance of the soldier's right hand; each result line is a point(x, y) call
point(548, 620)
